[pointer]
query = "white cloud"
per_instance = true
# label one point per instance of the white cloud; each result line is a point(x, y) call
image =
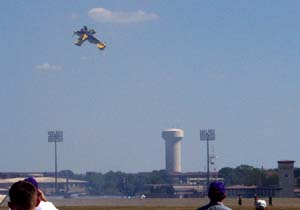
point(48, 67)
point(105, 15)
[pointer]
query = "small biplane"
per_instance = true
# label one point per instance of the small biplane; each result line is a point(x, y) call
point(88, 34)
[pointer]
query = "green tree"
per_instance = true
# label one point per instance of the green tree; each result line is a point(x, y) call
point(113, 183)
point(95, 183)
point(229, 175)
point(248, 175)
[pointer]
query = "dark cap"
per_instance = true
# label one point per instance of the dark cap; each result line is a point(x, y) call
point(32, 181)
point(216, 189)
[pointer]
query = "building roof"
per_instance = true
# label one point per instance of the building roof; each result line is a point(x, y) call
point(250, 187)
point(285, 161)
point(241, 187)
point(187, 187)
point(41, 180)
point(193, 174)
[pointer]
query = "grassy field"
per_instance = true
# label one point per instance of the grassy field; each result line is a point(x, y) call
point(163, 204)
point(157, 208)
point(163, 208)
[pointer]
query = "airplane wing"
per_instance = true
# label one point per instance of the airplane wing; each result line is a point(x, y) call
point(99, 44)
point(79, 42)
point(81, 39)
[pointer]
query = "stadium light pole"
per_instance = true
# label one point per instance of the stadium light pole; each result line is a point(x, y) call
point(207, 135)
point(55, 136)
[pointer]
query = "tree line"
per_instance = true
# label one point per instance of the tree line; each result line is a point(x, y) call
point(129, 184)
point(120, 183)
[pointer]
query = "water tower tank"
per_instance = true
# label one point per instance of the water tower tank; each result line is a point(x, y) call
point(173, 139)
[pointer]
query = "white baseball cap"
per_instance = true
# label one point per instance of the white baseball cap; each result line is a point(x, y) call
point(260, 204)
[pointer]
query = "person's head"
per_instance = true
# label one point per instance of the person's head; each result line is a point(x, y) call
point(23, 196)
point(32, 180)
point(260, 205)
point(216, 191)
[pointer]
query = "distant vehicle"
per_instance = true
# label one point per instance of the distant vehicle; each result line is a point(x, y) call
point(74, 195)
point(88, 34)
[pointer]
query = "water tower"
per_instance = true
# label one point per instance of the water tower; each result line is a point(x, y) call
point(173, 137)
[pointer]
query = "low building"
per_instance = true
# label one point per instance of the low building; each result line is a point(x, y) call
point(250, 191)
point(189, 191)
point(194, 178)
point(47, 185)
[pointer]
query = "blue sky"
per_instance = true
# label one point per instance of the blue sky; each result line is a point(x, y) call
point(228, 65)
